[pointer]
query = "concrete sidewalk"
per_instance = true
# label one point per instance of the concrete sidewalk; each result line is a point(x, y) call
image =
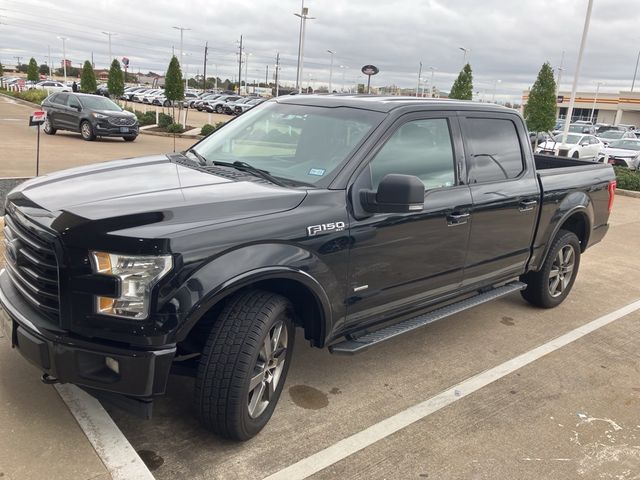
point(39, 438)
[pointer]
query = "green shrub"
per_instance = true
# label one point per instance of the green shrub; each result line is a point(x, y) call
point(35, 96)
point(207, 129)
point(175, 128)
point(148, 118)
point(627, 179)
point(164, 120)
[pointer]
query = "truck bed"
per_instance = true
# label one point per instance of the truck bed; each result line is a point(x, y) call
point(552, 165)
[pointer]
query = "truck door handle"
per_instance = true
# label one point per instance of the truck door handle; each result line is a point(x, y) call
point(454, 219)
point(528, 205)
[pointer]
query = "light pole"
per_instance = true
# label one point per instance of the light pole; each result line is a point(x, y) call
point(595, 100)
point(560, 70)
point(110, 34)
point(304, 16)
point(419, 75)
point(466, 51)
point(186, 72)
point(246, 70)
point(182, 29)
point(495, 86)
point(563, 150)
point(433, 69)
point(332, 53)
point(635, 72)
point(64, 57)
point(344, 70)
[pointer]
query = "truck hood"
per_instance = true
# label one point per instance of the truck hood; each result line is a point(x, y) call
point(155, 190)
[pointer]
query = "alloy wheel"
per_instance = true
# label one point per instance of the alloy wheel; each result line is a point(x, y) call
point(561, 270)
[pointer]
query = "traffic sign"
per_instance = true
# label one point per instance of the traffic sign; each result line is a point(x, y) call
point(37, 118)
point(370, 70)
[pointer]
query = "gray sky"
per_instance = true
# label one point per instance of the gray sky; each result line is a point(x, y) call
point(509, 39)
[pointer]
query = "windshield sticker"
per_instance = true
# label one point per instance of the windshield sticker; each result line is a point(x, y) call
point(317, 171)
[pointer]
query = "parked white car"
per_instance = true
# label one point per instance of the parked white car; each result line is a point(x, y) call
point(612, 135)
point(580, 146)
point(51, 86)
point(622, 153)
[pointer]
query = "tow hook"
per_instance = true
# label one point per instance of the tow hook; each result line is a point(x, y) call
point(48, 379)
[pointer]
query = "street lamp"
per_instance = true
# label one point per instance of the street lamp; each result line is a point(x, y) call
point(110, 34)
point(344, 70)
point(433, 69)
point(186, 72)
point(304, 16)
point(64, 57)
point(182, 29)
point(246, 70)
point(332, 53)
point(595, 100)
point(466, 51)
point(495, 86)
point(635, 72)
point(563, 150)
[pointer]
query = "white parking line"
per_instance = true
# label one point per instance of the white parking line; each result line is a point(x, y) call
point(350, 445)
point(110, 444)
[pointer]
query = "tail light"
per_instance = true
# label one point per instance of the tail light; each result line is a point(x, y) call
point(612, 194)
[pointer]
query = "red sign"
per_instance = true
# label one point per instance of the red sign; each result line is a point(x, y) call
point(37, 118)
point(21, 82)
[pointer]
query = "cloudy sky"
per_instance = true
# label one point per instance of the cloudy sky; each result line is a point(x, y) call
point(509, 39)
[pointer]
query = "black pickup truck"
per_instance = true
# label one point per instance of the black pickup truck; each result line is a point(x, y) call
point(354, 218)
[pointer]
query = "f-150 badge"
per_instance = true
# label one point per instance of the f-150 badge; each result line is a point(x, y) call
point(313, 230)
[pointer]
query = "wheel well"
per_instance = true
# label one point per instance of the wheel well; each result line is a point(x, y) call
point(307, 312)
point(577, 224)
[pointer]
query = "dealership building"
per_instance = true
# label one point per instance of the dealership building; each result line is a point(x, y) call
point(614, 108)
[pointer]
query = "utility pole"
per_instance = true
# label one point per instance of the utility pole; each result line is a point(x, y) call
point(246, 73)
point(182, 30)
point(560, 70)
point(419, 75)
point(331, 70)
point(64, 58)
point(304, 16)
point(277, 72)
point(240, 66)
point(266, 77)
point(18, 58)
point(204, 81)
point(93, 65)
point(110, 34)
point(50, 73)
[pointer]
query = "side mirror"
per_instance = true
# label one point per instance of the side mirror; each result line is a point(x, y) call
point(396, 194)
point(584, 144)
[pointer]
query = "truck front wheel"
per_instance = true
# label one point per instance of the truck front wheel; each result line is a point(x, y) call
point(244, 364)
point(548, 287)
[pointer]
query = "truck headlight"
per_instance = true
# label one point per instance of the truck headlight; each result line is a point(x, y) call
point(138, 274)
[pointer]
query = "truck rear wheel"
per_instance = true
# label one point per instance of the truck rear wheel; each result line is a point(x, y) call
point(244, 364)
point(548, 287)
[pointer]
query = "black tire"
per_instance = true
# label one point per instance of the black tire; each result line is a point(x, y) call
point(539, 284)
point(86, 130)
point(166, 103)
point(234, 354)
point(129, 139)
point(576, 155)
point(219, 109)
point(48, 128)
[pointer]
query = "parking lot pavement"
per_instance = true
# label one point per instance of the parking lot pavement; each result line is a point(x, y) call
point(64, 149)
point(570, 414)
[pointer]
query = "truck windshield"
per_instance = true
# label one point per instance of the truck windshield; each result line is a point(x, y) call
point(306, 144)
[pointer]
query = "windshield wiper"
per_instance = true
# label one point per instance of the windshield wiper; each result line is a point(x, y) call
point(247, 167)
point(203, 161)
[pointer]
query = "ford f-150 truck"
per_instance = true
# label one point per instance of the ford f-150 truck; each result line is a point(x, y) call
point(354, 218)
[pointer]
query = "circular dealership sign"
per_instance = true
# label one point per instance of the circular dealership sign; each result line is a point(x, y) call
point(370, 70)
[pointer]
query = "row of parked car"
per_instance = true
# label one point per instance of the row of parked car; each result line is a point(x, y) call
point(615, 144)
point(206, 101)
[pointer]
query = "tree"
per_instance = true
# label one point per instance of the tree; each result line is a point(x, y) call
point(22, 68)
point(173, 83)
point(43, 69)
point(462, 88)
point(540, 110)
point(88, 82)
point(1, 70)
point(115, 83)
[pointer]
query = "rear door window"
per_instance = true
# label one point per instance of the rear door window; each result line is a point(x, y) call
point(495, 152)
point(72, 101)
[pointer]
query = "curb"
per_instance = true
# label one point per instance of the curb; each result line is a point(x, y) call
point(20, 101)
point(627, 193)
point(164, 134)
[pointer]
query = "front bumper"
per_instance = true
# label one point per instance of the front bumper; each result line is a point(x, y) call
point(140, 373)
point(105, 129)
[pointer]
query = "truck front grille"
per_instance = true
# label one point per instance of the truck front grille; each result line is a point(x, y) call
point(32, 266)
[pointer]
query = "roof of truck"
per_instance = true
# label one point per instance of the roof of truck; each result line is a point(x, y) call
point(381, 103)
